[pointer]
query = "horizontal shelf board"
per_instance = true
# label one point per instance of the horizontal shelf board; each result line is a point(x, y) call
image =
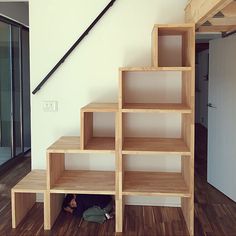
point(66, 144)
point(34, 182)
point(85, 182)
point(156, 107)
point(155, 146)
point(143, 69)
point(71, 144)
point(103, 144)
point(139, 183)
point(100, 107)
point(176, 29)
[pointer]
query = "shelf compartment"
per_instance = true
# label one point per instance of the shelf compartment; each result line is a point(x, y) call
point(138, 183)
point(155, 146)
point(152, 88)
point(172, 45)
point(156, 107)
point(95, 137)
point(85, 182)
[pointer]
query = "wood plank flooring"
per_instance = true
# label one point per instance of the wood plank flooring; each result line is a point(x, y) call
point(215, 214)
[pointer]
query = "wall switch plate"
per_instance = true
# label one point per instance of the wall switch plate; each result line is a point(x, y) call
point(50, 106)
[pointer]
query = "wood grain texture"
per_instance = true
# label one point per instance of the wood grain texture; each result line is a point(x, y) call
point(215, 214)
point(156, 107)
point(159, 68)
point(71, 144)
point(225, 21)
point(21, 204)
point(138, 183)
point(85, 182)
point(55, 168)
point(102, 144)
point(86, 131)
point(33, 182)
point(220, 28)
point(229, 10)
point(100, 107)
point(55, 203)
point(155, 146)
point(185, 31)
point(66, 144)
point(199, 11)
point(154, 47)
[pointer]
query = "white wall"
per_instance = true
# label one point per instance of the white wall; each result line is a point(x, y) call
point(221, 122)
point(121, 38)
point(17, 11)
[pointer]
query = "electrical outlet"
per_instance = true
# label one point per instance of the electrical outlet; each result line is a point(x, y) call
point(50, 106)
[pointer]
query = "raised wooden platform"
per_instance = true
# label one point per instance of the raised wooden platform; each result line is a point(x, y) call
point(23, 195)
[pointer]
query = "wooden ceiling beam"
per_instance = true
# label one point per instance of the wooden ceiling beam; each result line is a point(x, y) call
point(200, 11)
point(225, 21)
point(217, 28)
point(230, 10)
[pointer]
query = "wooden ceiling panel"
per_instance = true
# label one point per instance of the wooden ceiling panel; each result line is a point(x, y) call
point(212, 15)
point(230, 10)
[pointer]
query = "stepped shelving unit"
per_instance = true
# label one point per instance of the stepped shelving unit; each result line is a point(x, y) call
point(121, 183)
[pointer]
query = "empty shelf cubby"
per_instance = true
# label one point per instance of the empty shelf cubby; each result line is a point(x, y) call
point(98, 127)
point(172, 46)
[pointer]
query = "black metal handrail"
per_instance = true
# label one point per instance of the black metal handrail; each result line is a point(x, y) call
point(73, 47)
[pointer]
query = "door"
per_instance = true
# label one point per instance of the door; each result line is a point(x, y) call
point(222, 116)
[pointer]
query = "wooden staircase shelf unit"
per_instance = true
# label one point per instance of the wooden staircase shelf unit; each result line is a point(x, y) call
point(57, 180)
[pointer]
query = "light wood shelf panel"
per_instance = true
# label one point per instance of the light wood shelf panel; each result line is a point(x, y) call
point(138, 183)
point(173, 29)
point(85, 182)
point(155, 146)
point(103, 144)
point(66, 144)
point(100, 107)
point(34, 182)
point(71, 145)
point(156, 107)
point(150, 69)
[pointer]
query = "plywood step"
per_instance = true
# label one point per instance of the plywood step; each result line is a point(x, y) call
point(34, 182)
point(100, 107)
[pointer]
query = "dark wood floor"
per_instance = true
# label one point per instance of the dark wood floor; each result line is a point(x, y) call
point(215, 214)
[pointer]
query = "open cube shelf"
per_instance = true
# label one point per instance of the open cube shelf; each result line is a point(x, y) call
point(154, 133)
point(93, 137)
point(172, 45)
point(154, 91)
